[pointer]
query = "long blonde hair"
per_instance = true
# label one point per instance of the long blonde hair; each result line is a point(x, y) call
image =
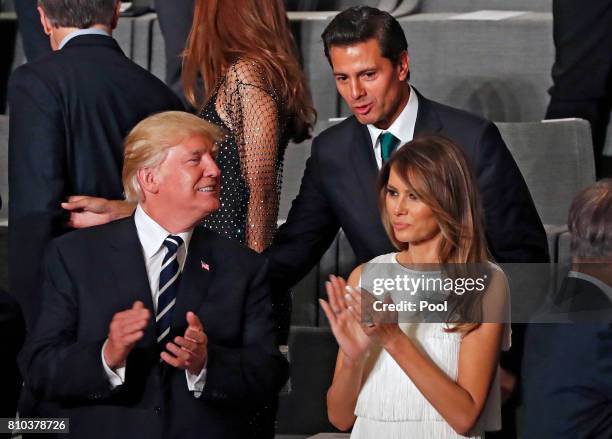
point(437, 170)
point(223, 31)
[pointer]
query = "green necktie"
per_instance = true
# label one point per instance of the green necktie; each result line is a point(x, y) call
point(388, 143)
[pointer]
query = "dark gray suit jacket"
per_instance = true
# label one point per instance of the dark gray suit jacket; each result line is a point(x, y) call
point(70, 112)
point(567, 369)
point(94, 273)
point(339, 190)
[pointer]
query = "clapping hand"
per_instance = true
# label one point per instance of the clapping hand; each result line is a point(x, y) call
point(344, 319)
point(380, 326)
point(125, 329)
point(190, 351)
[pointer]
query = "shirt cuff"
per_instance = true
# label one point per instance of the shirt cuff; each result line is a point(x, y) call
point(195, 383)
point(116, 377)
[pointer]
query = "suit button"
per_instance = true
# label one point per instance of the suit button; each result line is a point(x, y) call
point(157, 410)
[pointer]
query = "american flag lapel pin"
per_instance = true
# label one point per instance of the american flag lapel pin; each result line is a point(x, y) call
point(204, 265)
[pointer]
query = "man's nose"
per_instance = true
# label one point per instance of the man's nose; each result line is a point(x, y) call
point(210, 168)
point(356, 89)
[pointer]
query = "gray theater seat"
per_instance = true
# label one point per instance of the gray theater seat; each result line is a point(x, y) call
point(556, 160)
point(475, 5)
point(143, 36)
point(497, 69)
point(124, 35)
point(313, 357)
point(158, 55)
point(337, 5)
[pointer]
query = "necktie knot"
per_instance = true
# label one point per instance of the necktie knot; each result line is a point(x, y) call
point(172, 243)
point(388, 143)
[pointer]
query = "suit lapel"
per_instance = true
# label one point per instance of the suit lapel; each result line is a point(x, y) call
point(361, 151)
point(428, 121)
point(194, 280)
point(128, 267)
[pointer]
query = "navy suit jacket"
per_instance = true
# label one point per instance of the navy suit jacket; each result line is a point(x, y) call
point(567, 372)
point(94, 273)
point(70, 111)
point(338, 189)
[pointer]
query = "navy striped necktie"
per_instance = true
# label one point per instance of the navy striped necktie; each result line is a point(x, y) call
point(168, 288)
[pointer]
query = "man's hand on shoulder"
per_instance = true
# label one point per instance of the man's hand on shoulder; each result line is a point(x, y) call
point(190, 351)
point(88, 211)
point(125, 329)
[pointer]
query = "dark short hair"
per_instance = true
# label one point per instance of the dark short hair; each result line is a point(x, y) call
point(362, 23)
point(79, 13)
point(590, 222)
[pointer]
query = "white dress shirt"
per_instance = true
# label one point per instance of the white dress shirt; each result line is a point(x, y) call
point(76, 33)
point(402, 127)
point(152, 236)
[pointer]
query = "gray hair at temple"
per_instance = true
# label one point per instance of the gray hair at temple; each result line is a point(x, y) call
point(590, 223)
point(79, 13)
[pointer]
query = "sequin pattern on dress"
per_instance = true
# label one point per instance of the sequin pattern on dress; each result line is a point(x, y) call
point(250, 156)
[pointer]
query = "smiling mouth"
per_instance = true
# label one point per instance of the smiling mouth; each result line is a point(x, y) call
point(211, 188)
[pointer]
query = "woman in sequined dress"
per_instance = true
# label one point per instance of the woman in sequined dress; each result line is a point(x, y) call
point(255, 89)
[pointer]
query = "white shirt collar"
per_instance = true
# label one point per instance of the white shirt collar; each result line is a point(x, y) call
point(76, 33)
point(402, 127)
point(152, 235)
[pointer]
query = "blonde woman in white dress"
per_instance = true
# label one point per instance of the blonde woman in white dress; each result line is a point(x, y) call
point(421, 380)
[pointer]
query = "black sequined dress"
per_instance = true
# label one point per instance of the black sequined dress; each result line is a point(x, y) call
point(250, 156)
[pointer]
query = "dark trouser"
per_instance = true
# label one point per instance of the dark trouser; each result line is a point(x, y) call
point(12, 333)
point(582, 73)
point(175, 17)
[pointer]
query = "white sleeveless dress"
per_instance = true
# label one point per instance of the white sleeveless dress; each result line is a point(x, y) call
point(390, 406)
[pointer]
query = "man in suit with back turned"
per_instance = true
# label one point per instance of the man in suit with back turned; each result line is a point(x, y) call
point(154, 327)
point(567, 385)
point(70, 111)
point(368, 53)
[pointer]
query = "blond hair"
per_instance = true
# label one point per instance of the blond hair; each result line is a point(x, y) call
point(147, 145)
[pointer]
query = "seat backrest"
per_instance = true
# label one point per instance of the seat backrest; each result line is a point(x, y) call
point(312, 353)
point(332, 5)
point(475, 5)
point(556, 160)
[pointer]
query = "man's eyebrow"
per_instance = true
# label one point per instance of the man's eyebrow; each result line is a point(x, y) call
point(360, 72)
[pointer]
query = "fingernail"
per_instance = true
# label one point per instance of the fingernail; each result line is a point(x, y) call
point(348, 288)
point(347, 296)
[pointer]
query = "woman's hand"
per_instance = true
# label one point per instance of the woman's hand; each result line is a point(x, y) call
point(344, 320)
point(88, 211)
point(380, 326)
